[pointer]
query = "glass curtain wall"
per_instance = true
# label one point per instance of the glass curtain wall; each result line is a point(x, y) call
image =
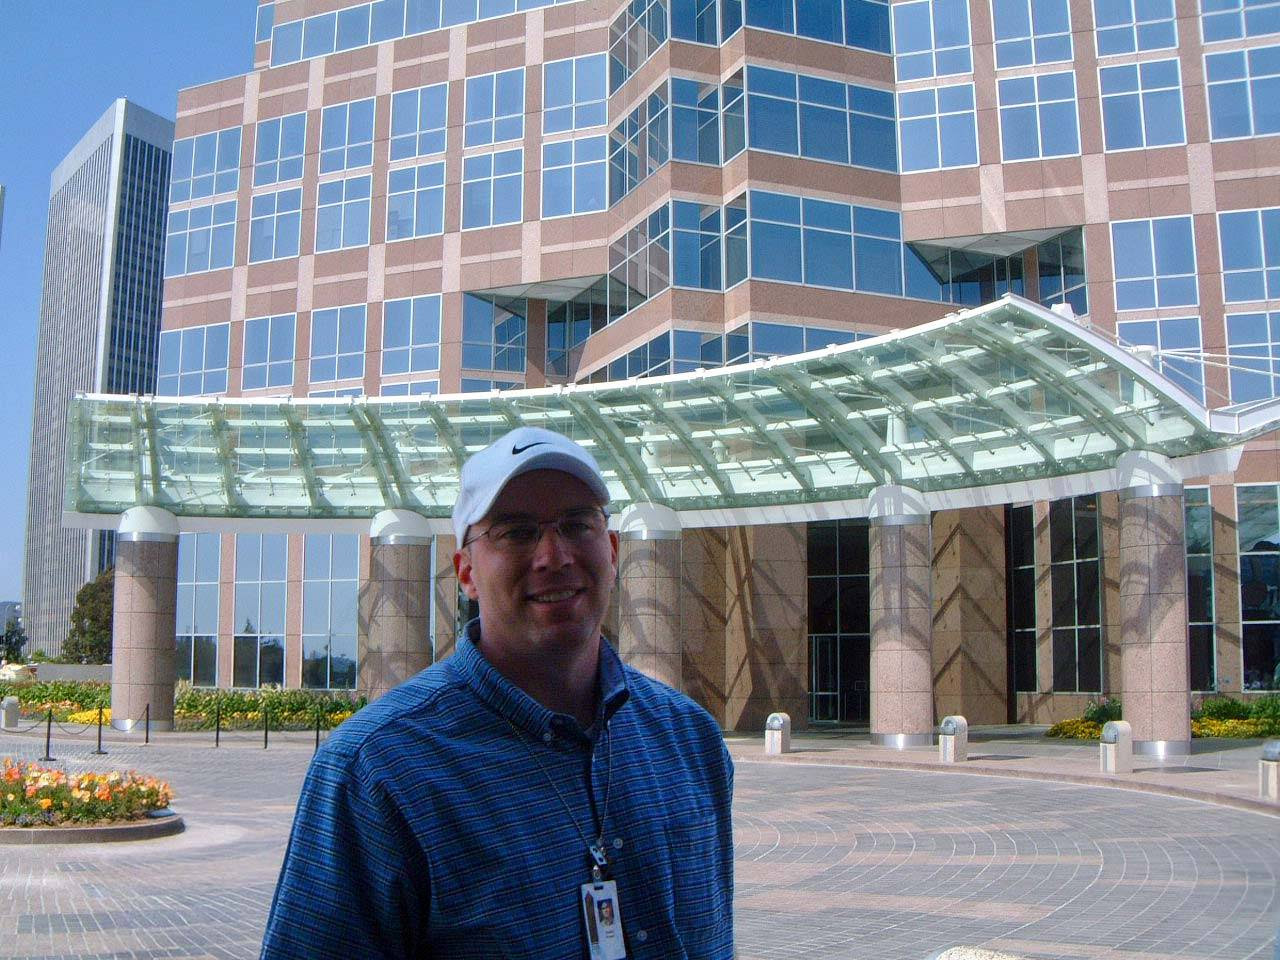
point(1258, 529)
point(1076, 578)
point(330, 578)
point(261, 570)
point(839, 621)
point(1200, 606)
point(1020, 549)
point(199, 559)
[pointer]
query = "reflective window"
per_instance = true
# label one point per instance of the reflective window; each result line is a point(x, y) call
point(1061, 270)
point(353, 28)
point(1020, 546)
point(495, 107)
point(200, 239)
point(418, 121)
point(1142, 105)
point(1198, 511)
point(938, 128)
point(640, 263)
point(493, 337)
point(733, 117)
point(342, 214)
point(1250, 241)
point(856, 23)
point(573, 176)
point(1253, 352)
point(492, 189)
point(1155, 263)
point(1127, 26)
point(337, 343)
point(695, 20)
point(1244, 92)
point(639, 145)
point(268, 352)
point(199, 563)
point(1258, 528)
point(319, 35)
point(193, 361)
point(634, 36)
point(1076, 596)
point(416, 388)
point(1233, 19)
point(1177, 349)
point(931, 38)
point(696, 239)
point(410, 335)
point(1038, 117)
point(330, 578)
point(205, 166)
point(415, 201)
point(263, 23)
point(274, 225)
point(574, 94)
point(278, 148)
point(485, 385)
point(346, 136)
point(570, 322)
point(695, 121)
point(261, 574)
point(960, 276)
point(1031, 31)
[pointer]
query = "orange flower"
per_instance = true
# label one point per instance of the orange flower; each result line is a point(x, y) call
point(45, 803)
point(103, 792)
point(32, 791)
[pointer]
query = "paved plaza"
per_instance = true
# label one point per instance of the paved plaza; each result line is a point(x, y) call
point(833, 861)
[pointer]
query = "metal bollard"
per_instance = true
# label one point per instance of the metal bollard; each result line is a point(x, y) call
point(9, 713)
point(1115, 750)
point(100, 752)
point(777, 734)
point(266, 723)
point(1269, 772)
point(953, 740)
point(217, 721)
point(146, 725)
point(48, 735)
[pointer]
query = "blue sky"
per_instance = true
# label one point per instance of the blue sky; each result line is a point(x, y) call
point(62, 63)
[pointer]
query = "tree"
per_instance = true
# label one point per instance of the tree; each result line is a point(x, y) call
point(89, 640)
point(12, 641)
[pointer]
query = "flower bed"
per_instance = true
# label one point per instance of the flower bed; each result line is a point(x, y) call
point(34, 796)
point(1217, 717)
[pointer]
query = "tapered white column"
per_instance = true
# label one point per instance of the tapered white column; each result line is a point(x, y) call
point(649, 635)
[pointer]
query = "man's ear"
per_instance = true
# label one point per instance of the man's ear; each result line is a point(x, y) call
point(462, 567)
point(613, 550)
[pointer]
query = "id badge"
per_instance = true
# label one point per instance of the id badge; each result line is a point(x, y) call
point(603, 916)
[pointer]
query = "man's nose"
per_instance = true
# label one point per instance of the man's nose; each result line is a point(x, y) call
point(552, 549)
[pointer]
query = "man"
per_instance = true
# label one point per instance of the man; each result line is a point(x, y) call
point(481, 808)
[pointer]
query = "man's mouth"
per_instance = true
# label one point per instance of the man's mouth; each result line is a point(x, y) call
point(552, 596)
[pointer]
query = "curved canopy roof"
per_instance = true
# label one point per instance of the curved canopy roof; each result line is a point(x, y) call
point(1001, 395)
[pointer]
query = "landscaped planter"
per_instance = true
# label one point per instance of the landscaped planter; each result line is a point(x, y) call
point(82, 806)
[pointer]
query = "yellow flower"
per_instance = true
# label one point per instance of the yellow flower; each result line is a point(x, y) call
point(45, 803)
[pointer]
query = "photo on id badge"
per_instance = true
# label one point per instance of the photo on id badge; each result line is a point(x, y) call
point(603, 917)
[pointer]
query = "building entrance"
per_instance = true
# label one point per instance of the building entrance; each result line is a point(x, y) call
point(840, 678)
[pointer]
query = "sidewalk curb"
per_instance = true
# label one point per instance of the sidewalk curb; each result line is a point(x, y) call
point(151, 828)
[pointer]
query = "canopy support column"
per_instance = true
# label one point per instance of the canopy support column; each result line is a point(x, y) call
point(901, 619)
point(649, 636)
point(395, 605)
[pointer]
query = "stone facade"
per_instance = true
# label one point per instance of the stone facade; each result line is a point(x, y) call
point(142, 644)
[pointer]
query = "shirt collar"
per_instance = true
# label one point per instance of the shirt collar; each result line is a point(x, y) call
point(516, 706)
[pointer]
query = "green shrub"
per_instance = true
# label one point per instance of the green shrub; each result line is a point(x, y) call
point(1266, 708)
point(1222, 708)
point(1077, 728)
point(65, 697)
point(1102, 711)
point(196, 708)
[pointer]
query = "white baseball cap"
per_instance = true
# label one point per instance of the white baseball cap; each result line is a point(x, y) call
point(486, 474)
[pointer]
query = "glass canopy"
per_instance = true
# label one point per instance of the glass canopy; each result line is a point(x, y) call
point(1005, 393)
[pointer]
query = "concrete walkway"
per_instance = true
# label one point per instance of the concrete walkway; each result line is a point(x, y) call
point(840, 853)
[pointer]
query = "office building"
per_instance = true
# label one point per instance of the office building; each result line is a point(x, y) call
point(99, 325)
point(409, 198)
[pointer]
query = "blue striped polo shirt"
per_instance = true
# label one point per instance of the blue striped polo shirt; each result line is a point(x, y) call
point(433, 823)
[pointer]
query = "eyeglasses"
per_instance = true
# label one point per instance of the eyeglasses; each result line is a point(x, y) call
point(521, 535)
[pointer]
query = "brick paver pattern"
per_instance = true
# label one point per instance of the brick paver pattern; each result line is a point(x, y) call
point(832, 861)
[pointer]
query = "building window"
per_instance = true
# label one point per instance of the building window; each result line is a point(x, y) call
point(639, 145)
point(1038, 117)
point(839, 587)
point(493, 337)
point(268, 352)
point(261, 569)
point(1253, 356)
point(200, 239)
point(931, 38)
point(640, 263)
point(418, 120)
point(274, 225)
point(1127, 26)
point(346, 136)
point(573, 176)
point(938, 128)
point(695, 21)
point(634, 36)
point(1243, 85)
point(696, 239)
point(199, 562)
point(415, 202)
point(1250, 241)
point(353, 28)
point(1203, 672)
point(1258, 529)
point(1076, 577)
point(416, 388)
point(263, 23)
point(411, 335)
point(1020, 543)
point(342, 214)
point(492, 189)
point(1142, 105)
point(205, 166)
point(855, 23)
point(337, 343)
point(1177, 349)
point(733, 116)
point(573, 93)
point(495, 107)
point(193, 361)
point(485, 385)
point(1061, 269)
point(1233, 19)
point(330, 576)
point(695, 121)
point(1155, 263)
point(278, 149)
point(1031, 31)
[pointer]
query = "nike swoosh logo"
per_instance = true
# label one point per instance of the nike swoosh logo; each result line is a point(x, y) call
point(516, 451)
